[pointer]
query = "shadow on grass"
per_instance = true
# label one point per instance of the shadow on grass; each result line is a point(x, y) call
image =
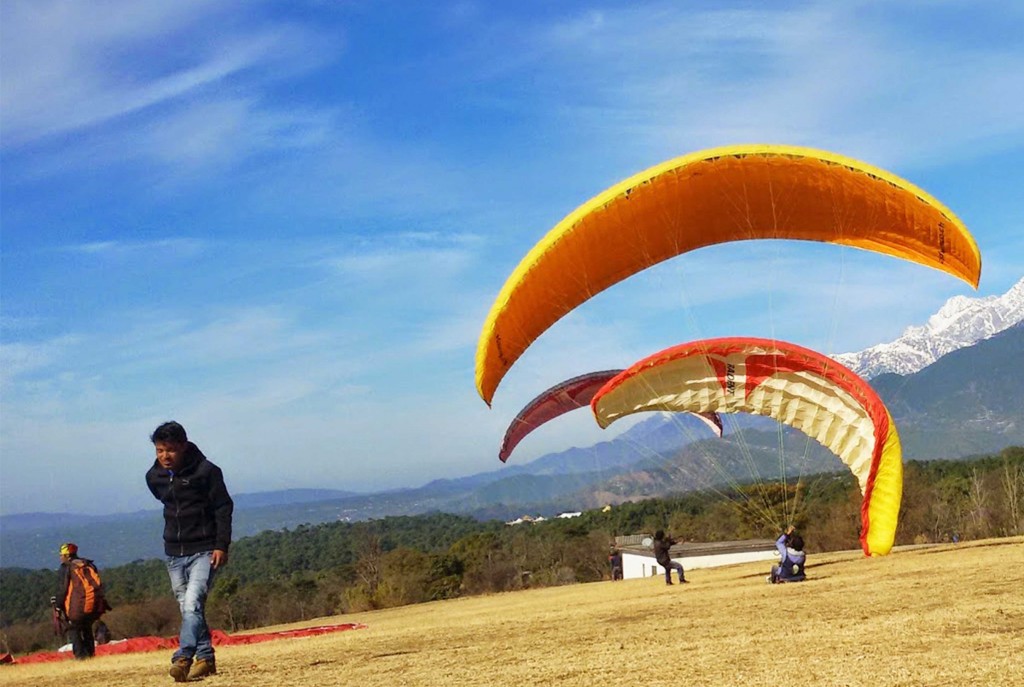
point(394, 653)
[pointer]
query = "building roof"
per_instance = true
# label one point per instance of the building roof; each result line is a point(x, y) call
point(689, 548)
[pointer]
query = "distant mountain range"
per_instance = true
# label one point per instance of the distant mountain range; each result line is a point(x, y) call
point(968, 402)
point(960, 322)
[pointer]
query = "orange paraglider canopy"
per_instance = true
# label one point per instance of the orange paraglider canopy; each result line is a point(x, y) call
point(710, 197)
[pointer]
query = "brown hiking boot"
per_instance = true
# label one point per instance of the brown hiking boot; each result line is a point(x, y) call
point(179, 669)
point(202, 668)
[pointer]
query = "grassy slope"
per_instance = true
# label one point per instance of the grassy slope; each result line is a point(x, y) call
point(921, 616)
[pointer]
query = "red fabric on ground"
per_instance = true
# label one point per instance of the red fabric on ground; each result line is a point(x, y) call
point(219, 638)
point(283, 634)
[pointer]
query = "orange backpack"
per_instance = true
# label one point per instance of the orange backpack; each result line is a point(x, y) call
point(85, 591)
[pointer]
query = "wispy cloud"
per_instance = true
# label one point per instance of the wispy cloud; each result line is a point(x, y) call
point(170, 247)
point(69, 66)
point(391, 269)
point(20, 358)
point(833, 75)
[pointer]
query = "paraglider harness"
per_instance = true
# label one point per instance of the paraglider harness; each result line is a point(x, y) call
point(789, 569)
point(84, 598)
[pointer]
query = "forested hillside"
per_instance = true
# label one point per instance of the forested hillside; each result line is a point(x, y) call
point(326, 569)
point(967, 403)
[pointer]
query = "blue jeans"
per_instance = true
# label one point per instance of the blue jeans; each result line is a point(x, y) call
point(672, 565)
point(191, 580)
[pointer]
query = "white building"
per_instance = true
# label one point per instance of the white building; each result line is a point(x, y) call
point(638, 560)
point(527, 518)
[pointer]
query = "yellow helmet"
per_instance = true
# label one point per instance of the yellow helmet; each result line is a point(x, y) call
point(68, 549)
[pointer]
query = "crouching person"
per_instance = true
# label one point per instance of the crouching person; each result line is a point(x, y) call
point(197, 534)
point(792, 558)
point(663, 544)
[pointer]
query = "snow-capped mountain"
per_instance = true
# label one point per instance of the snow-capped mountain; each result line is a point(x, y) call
point(960, 322)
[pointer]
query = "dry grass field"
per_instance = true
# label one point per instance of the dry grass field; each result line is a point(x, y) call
point(928, 616)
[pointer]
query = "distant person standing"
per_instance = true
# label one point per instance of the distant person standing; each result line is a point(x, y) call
point(662, 544)
point(197, 534)
point(615, 561)
point(80, 596)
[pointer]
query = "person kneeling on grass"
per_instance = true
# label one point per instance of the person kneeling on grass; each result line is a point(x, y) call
point(792, 559)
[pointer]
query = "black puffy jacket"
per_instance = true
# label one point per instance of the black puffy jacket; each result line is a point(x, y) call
point(197, 506)
point(662, 551)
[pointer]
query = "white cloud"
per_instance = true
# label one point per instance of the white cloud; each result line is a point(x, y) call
point(20, 358)
point(119, 248)
point(456, 332)
point(57, 74)
point(827, 75)
point(401, 266)
point(69, 66)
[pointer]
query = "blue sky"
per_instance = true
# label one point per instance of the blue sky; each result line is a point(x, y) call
point(282, 224)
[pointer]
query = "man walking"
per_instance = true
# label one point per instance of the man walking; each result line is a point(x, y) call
point(197, 534)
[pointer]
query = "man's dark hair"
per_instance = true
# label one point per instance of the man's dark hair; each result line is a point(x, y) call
point(659, 535)
point(169, 432)
point(796, 542)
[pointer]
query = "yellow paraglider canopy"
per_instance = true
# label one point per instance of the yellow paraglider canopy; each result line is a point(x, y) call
point(789, 383)
point(709, 197)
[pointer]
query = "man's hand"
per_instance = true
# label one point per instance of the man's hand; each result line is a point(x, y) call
point(219, 558)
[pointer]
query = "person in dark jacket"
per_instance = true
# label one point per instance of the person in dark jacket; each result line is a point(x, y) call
point(82, 605)
point(615, 561)
point(662, 544)
point(197, 534)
